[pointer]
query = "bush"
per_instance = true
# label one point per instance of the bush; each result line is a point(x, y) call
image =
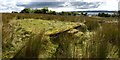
point(103, 15)
point(37, 11)
point(26, 10)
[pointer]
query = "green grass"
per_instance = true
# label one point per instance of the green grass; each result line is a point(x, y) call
point(105, 42)
point(50, 27)
point(7, 17)
point(23, 29)
point(32, 31)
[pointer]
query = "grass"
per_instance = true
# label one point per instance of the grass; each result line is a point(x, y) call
point(50, 27)
point(32, 48)
point(101, 40)
point(105, 42)
point(6, 17)
point(23, 30)
point(92, 25)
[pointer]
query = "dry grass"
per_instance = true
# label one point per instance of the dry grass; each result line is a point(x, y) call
point(106, 42)
point(6, 17)
point(103, 43)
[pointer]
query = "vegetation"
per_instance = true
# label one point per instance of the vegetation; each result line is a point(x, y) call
point(59, 36)
point(14, 12)
point(45, 10)
point(85, 14)
point(38, 11)
point(106, 15)
point(26, 10)
point(105, 40)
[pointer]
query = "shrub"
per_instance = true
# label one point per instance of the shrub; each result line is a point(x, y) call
point(26, 10)
point(103, 15)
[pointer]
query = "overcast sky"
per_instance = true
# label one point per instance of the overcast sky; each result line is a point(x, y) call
point(11, 5)
point(66, 0)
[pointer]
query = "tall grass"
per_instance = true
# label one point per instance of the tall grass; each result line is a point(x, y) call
point(33, 47)
point(39, 46)
point(119, 35)
point(63, 50)
point(104, 41)
point(7, 17)
point(92, 24)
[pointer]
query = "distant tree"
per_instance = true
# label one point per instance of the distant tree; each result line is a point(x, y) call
point(107, 15)
point(26, 10)
point(103, 15)
point(53, 12)
point(85, 14)
point(14, 12)
point(114, 15)
point(45, 10)
point(119, 12)
point(63, 13)
point(75, 13)
point(99, 14)
point(37, 11)
point(70, 13)
point(82, 13)
point(50, 12)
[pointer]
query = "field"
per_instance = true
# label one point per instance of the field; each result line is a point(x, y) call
point(57, 36)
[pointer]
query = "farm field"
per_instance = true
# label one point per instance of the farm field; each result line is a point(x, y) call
point(55, 36)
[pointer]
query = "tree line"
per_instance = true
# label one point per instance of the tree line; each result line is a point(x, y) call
point(106, 15)
point(45, 10)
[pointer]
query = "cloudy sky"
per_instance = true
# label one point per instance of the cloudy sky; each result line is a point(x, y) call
point(66, 5)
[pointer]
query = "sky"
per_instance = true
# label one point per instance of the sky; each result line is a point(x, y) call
point(12, 5)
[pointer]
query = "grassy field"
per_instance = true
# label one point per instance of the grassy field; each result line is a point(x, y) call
point(56, 36)
point(49, 27)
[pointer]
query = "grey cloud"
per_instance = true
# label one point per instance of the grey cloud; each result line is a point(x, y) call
point(77, 5)
point(8, 7)
point(53, 0)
